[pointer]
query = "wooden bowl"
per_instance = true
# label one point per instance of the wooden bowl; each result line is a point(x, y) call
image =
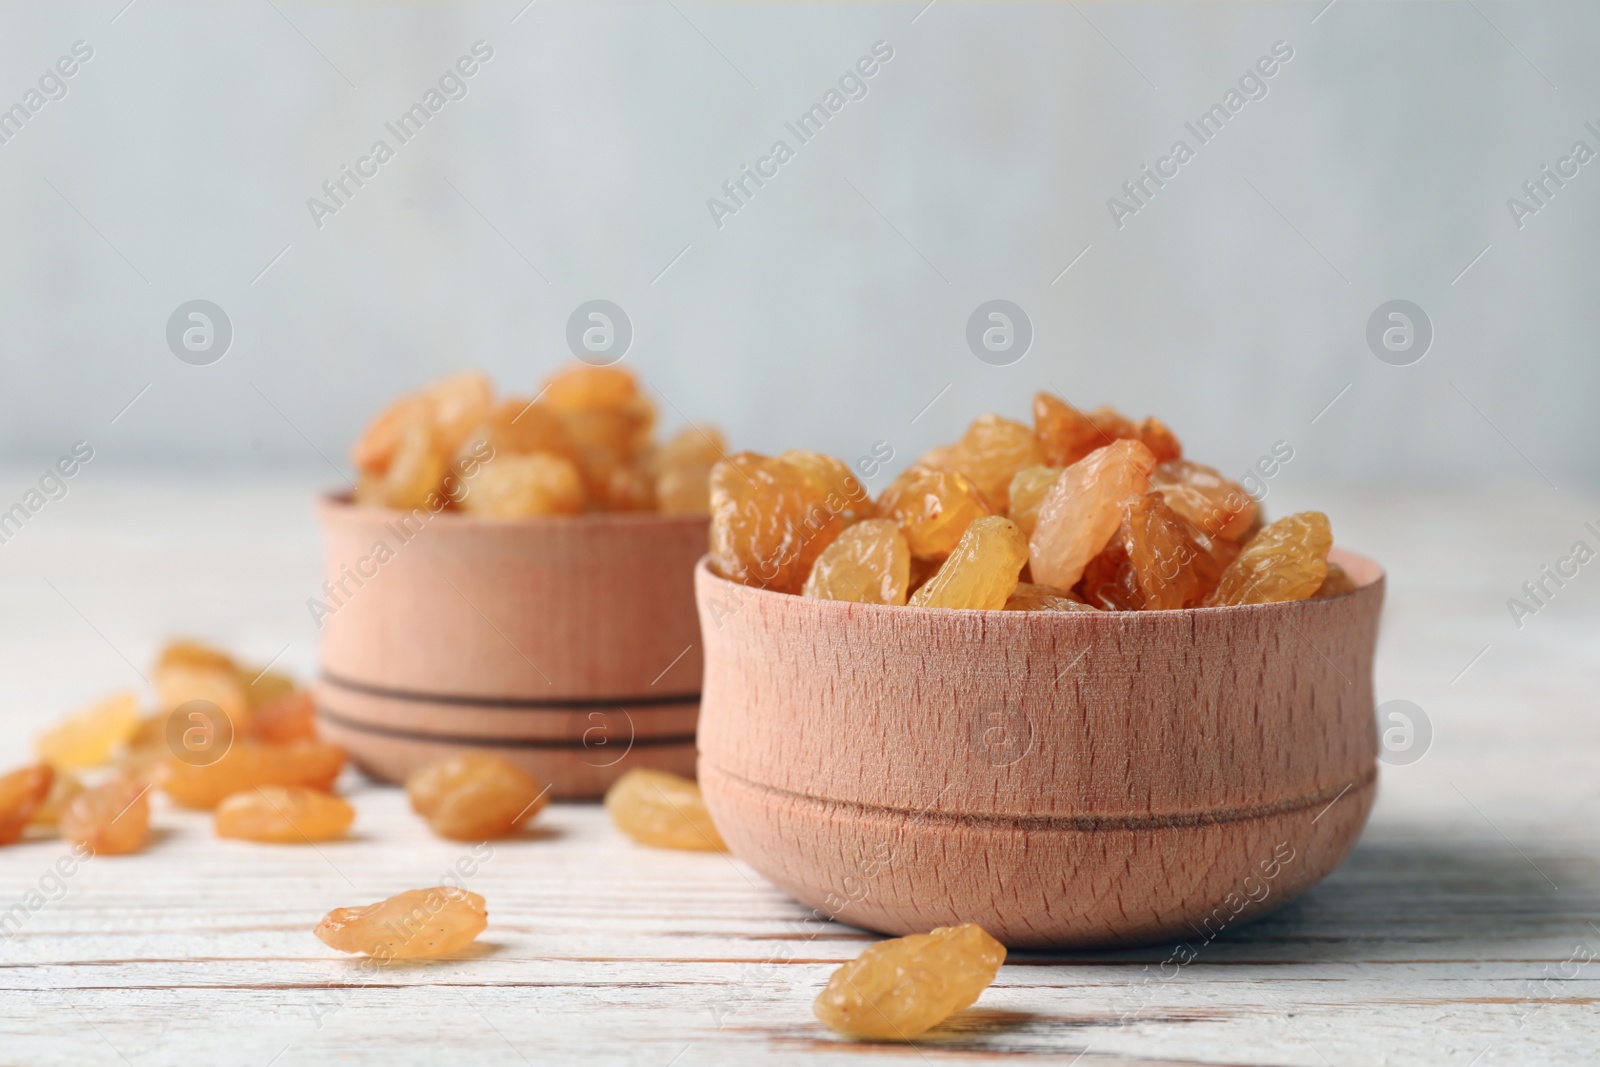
point(1062, 779)
point(568, 645)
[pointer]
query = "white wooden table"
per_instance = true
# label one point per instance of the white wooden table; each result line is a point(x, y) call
point(1455, 934)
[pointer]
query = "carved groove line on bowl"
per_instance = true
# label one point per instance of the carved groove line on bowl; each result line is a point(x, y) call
point(1085, 823)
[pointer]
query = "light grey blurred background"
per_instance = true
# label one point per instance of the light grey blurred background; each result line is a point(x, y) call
point(831, 309)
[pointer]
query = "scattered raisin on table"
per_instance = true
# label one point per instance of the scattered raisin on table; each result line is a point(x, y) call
point(249, 763)
point(111, 819)
point(22, 793)
point(416, 924)
point(661, 809)
point(474, 797)
point(90, 737)
point(901, 988)
point(283, 815)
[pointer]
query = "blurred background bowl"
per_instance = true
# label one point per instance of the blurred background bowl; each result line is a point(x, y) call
point(568, 645)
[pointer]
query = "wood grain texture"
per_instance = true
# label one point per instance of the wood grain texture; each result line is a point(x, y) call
point(567, 644)
point(1060, 778)
point(1453, 934)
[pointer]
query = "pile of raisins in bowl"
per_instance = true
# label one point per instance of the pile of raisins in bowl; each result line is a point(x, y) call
point(1078, 512)
point(584, 443)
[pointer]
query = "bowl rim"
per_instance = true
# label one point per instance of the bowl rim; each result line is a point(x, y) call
point(340, 504)
point(1376, 580)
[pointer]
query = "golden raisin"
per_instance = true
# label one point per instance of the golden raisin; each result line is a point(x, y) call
point(869, 563)
point(517, 425)
point(768, 522)
point(901, 988)
point(416, 924)
point(933, 508)
point(1027, 491)
point(289, 718)
point(1336, 583)
point(683, 470)
point(1288, 560)
point(1171, 569)
point(1161, 441)
point(64, 785)
point(661, 809)
point(412, 478)
point(1064, 433)
point(842, 492)
point(1218, 505)
point(249, 763)
point(631, 487)
point(1084, 508)
point(517, 486)
point(1031, 597)
point(22, 793)
point(266, 686)
point(474, 797)
point(283, 815)
point(374, 450)
point(112, 819)
point(1113, 425)
point(188, 670)
point(458, 405)
point(989, 454)
point(982, 572)
point(88, 738)
point(1152, 563)
point(583, 386)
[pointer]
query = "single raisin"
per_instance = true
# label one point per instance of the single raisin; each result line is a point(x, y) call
point(933, 509)
point(769, 523)
point(283, 815)
point(1028, 489)
point(683, 470)
point(1084, 508)
point(1064, 433)
point(249, 763)
point(22, 793)
point(1287, 560)
point(989, 454)
point(661, 809)
point(416, 924)
point(982, 572)
point(90, 737)
point(869, 563)
point(519, 486)
point(899, 989)
point(474, 797)
point(112, 819)
point(1201, 494)
point(842, 492)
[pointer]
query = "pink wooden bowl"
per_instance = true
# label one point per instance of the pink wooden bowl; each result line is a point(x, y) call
point(1062, 779)
point(568, 645)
